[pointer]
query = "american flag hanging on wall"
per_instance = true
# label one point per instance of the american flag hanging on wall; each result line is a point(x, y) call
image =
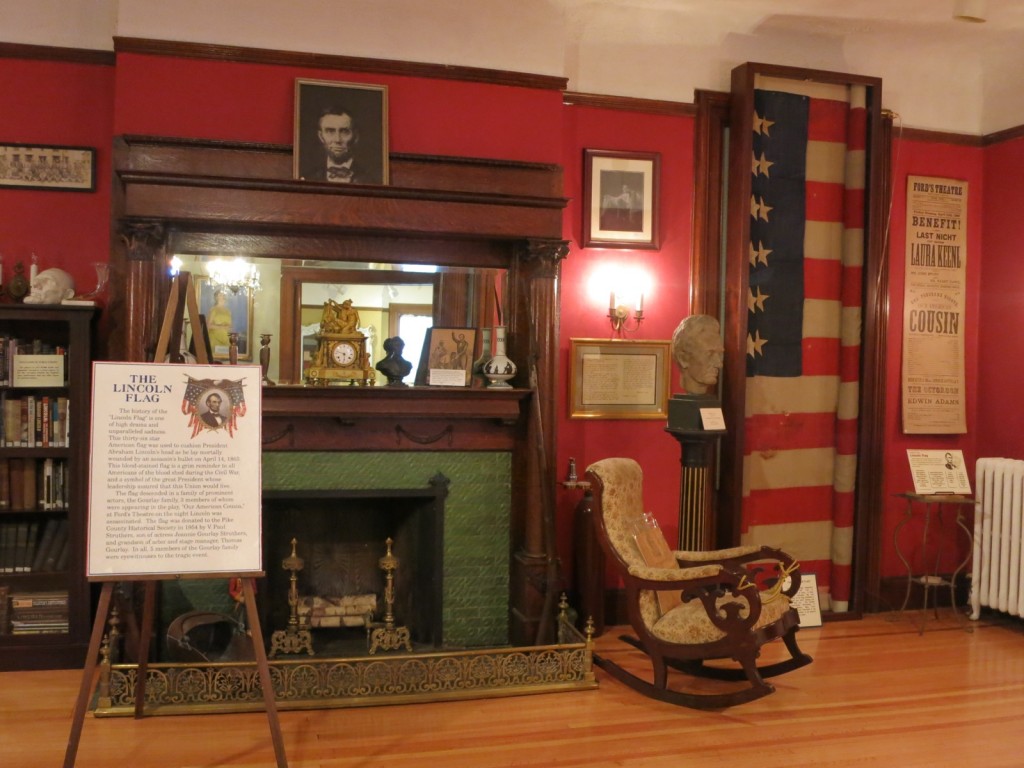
point(804, 325)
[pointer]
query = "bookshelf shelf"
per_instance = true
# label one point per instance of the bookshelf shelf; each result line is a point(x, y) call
point(45, 605)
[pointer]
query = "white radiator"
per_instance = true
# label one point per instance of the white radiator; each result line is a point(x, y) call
point(997, 579)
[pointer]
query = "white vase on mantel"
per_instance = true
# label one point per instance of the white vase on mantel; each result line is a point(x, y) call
point(499, 369)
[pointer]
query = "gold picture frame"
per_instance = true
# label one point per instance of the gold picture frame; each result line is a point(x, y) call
point(239, 307)
point(619, 379)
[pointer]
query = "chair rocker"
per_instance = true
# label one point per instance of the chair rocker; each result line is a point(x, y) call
point(687, 608)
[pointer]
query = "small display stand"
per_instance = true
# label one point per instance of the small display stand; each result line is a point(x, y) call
point(934, 509)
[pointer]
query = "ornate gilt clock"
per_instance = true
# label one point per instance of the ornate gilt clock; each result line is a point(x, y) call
point(341, 348)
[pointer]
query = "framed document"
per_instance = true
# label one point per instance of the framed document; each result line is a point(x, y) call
point(619, 379)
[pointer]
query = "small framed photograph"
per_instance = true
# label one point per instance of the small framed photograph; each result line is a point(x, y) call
point(226, 311)
point(447, 359)
point(37, 166)
point(620, 195)
point(341, 132)
point(619, 379)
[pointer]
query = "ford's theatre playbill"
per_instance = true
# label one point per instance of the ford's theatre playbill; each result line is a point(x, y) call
point(934, 400)
point(175, 470)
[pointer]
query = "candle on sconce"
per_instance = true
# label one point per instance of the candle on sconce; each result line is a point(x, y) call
point(33, 269)
point(640, 303)
point(611, 301)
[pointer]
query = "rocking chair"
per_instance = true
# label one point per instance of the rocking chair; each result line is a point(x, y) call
point(687, 608)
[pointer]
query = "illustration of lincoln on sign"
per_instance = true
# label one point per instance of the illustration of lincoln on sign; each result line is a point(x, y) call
point(175, 484)
point(213, 404)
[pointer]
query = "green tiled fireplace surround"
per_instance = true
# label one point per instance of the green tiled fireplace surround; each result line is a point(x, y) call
point(476, 522)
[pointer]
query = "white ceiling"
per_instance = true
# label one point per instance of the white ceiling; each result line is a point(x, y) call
point(937, 73)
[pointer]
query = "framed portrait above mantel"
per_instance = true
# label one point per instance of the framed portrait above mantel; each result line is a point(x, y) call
point(619, 379)
point(341, 132)
point(620, 199)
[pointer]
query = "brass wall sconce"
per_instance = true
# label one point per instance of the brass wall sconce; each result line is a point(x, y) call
point(620, 318)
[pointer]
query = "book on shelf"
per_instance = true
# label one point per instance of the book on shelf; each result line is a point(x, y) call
point(61, 563)
point(34, 421)
point(45, 543)
point(52, 555)
point(6, 548)
point(5, 603)
point(38, 599)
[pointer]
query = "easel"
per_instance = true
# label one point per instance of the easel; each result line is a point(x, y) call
point(181, 296)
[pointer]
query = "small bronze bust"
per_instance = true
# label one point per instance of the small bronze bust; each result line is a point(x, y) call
point(394, 366)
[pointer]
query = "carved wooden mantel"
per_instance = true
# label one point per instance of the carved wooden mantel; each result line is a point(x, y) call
point(206, 197)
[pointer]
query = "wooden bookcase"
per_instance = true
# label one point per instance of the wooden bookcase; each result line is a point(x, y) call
point(44, 466)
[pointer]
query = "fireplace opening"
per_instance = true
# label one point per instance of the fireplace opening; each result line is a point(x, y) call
point(341, 537)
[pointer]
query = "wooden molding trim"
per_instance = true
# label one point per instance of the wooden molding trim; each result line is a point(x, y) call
point(54, 53)
point(1007, 134)
point(626, 103)
point(236, 53)
point(939, 137)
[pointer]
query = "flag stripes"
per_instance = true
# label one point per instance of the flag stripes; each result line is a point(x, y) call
point(804, 325)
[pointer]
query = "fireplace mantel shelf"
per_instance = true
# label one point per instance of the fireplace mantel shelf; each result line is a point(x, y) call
point(391, 418)
point(409, 402)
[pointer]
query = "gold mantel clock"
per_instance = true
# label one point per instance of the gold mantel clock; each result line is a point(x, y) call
point(341, 348)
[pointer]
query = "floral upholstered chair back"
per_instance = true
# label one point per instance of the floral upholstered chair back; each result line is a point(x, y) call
point(622, 505)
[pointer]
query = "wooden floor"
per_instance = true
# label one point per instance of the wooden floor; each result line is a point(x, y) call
point(877, 694)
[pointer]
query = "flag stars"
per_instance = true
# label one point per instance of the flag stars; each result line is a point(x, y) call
point(754, 344)
point(760, 165)
point(759, 209)
point(761, 124)
point(760, 254)
point(756, 301)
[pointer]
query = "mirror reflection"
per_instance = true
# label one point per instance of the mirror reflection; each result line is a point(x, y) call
point(285, 299)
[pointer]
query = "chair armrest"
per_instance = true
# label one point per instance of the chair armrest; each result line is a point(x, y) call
point(672, 578)
point(736, 557)
point(689, 558)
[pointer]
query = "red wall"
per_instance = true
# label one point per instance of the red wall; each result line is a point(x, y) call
point(192, 98)
point(665, 304)
point(1001, 346)
point(64, 104)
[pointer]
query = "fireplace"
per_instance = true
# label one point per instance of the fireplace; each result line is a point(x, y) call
point(340, 536)
point(465, 564)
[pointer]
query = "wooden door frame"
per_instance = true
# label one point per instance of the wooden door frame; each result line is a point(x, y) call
point(718, 287)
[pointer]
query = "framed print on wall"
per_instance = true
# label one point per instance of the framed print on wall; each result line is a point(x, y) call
point(619, 379)
point(620, 199)
point(34, 166)
point(226, 311)
point(341, 132)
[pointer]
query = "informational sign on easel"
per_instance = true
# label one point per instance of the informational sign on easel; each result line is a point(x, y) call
point(175, 489)
point(175, 470)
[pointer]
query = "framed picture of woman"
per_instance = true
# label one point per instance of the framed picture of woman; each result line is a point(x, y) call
point(226, 311)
